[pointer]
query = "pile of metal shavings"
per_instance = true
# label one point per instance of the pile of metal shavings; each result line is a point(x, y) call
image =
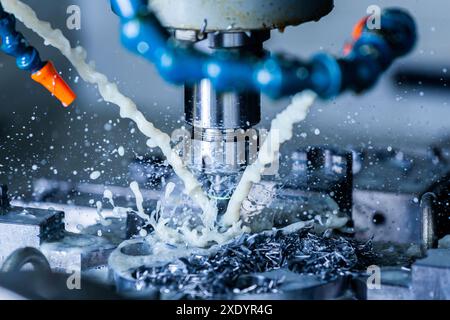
point(216, 276)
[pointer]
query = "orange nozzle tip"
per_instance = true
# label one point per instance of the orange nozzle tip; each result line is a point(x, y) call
point(53, 82)
point(356, 34)
point(359, 28)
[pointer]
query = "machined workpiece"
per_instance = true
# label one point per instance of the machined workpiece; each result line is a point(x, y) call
point(77, 252)
point(429, 278)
